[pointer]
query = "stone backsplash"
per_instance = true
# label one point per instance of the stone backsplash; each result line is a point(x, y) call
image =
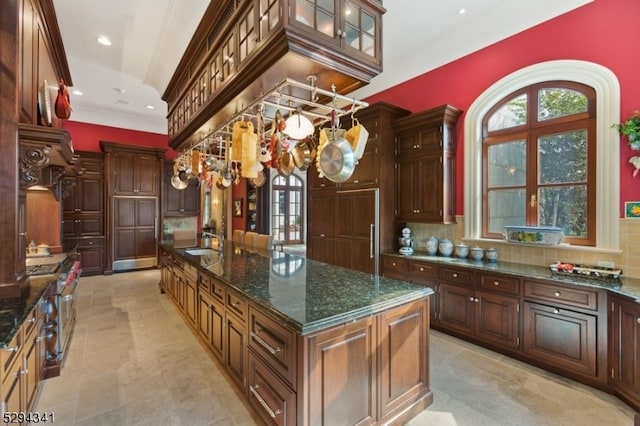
point(627, 259)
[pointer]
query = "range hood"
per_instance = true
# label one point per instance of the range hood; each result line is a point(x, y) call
point(46, 154)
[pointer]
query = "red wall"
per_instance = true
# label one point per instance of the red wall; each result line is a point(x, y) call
point(87, 137)
point(604, 32)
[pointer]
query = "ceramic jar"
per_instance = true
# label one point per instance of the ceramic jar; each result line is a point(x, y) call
point(445, 247)
point(477, 253)
point(432, 246)
point(491, 255)
point(462, 250)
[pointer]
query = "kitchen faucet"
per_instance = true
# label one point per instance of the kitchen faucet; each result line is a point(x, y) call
point(219, 238)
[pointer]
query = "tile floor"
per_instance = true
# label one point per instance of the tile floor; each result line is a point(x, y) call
point(132, 361)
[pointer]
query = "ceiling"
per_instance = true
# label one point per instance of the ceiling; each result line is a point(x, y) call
point(149, 37)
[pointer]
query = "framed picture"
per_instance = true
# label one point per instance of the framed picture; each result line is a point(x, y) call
point(632, 209)
point(237, 207)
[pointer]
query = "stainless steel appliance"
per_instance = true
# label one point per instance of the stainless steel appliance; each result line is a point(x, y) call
point(63, 314)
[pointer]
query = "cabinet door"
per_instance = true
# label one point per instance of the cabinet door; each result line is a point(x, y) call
point(135, 174)
point(236, 350)
point(89, 194)
point(497, 319)
point(190, 300)
point(342, 368)
point(561, 337)
point(626, 348)
point(404, 357)
point(457, 308)
point(428, 196)
point(92, 259)
point(269, 396)
point(407, 185)
point(217, 329)
point(355, 230)
point(204, 317)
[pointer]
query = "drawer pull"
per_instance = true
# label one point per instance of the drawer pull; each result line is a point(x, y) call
point(265, 345)
point(454, 275)
point(31, 320)
point(556, 311)
point(422, 269)
point(11, 349)
point(262, 402)
point(638, 320)
point(496, 283)
point(556, 294)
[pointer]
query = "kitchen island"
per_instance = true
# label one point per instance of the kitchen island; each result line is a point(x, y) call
point(306, 342)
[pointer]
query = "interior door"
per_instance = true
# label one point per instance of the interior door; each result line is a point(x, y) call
point(357, 230)
point(134, 232)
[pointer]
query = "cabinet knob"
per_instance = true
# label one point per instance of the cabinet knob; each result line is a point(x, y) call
point(422, 269)
point(557, 294)
point(556, 311)
point(496, 283)
point(90, 242)
point(393, 263)
point(454, 275)
point(471, 299)
point(638, 320)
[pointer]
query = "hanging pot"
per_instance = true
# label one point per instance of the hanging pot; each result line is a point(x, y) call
point(302, 155)
point(178, 183)
point(259, 180)
point(286, 164)
point(337, 160)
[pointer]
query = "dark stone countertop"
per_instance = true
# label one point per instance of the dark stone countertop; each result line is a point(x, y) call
point(303, 294)
point(13, 312)
point(625, 286)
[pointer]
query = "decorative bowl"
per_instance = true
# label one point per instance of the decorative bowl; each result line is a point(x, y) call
point(539, 235)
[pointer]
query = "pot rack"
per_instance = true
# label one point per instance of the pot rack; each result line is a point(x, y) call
point(287, 96)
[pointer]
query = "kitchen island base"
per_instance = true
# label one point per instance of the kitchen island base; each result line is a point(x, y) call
point(366, 369)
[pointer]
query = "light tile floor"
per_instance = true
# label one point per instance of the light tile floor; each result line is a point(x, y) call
point(132, 361)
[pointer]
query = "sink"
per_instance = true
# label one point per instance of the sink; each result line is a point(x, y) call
point(202, 252)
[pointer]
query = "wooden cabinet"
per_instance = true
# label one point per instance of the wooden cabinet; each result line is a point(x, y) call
point(565, 327)
point(262, 42)
point(22, 364)
point(341, 221)
point(135, 174)
point(190, 295)
point(425, 172)
point(178, 202)
point(625, 344)
point(83, 212)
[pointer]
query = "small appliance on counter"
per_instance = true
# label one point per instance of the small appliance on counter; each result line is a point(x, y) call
point(406, 242)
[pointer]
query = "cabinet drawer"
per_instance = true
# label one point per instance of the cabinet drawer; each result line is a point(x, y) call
point(30, 323)
point(270, 397)
point(236, 305)
point(90, 242)
point(423, 269)
point(395, 264)
point(274, 343)
point(11, 353)
point(204, 283)
point(500, 283)
point(453, 275)
point(217, 290)
point(581, 298)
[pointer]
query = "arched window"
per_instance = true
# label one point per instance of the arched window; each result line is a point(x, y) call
point(287, 218)
point(539, 156)
point(607, 141)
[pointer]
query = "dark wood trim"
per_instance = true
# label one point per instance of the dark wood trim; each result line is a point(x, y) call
point(54, 39)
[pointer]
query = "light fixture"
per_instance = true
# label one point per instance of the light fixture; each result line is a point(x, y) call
point(77, 92)
point(150, 107)
point(104, 40)
point(298, 126)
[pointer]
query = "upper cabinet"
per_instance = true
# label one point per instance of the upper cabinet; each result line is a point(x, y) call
point(425, 168)
point(133, 170)
point(243, 48)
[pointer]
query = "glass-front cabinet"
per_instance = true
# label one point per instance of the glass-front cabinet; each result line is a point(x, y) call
point(348, 23)
point(249, 42)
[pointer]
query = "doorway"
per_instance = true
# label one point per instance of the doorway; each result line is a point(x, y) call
point(287, 218)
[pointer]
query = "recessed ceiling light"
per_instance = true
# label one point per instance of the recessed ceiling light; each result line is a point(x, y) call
point(104, 40)
point(150, 107)
point(77, 92)
point(462, 11)
point(119, 90)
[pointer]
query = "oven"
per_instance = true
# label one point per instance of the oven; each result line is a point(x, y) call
point(66, 300)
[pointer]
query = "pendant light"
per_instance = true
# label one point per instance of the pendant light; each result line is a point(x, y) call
point(298, 126)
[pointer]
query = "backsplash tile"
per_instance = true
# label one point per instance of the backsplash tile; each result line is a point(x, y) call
point(628, 259)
